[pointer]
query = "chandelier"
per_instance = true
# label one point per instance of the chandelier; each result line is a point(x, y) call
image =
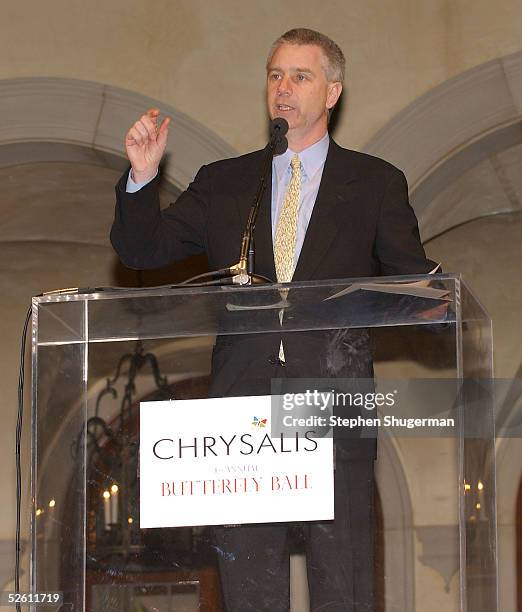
point(112, 507)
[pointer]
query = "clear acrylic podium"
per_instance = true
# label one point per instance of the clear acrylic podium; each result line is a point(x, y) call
point(97, 355)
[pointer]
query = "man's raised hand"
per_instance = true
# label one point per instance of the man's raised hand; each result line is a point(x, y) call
point(145, 144)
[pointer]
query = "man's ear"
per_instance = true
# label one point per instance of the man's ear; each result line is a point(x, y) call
point(333, 94)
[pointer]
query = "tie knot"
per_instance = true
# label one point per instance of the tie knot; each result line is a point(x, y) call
point(295, 163)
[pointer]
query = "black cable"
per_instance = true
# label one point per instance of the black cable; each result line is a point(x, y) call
point(18, 444)
point(221, 272)
point(219, 281)
point(259, 278)
point(227, 280)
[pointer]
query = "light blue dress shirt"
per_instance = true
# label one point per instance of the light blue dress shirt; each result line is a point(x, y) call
point(312, 164)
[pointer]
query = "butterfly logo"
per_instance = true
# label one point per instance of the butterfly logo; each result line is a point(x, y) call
point(257, 422)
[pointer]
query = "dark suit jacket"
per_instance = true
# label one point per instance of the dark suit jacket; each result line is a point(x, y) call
point(361, 225)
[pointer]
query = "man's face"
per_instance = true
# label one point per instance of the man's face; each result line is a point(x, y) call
point(297, 90)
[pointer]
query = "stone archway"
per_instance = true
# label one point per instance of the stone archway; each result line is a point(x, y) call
point(460, 146)
point(450, 130)
point(95, 117)
point(509, 496)
point(68, 132)
point(61, 150)
point(519, 547)
point(398, 528)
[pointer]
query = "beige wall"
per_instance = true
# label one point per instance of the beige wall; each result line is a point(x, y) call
point(206, 58)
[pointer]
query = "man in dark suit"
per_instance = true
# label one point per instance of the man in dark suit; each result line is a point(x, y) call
point(349, 216)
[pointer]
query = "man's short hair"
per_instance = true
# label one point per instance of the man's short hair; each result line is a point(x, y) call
point(335, 60)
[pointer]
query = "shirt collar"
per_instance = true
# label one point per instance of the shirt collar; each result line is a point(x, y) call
point(312, 158)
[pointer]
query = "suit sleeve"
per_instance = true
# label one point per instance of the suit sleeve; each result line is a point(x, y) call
point(146, 237)
point(398, 246)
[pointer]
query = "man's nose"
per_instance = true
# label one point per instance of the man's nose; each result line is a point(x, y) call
point(285, 86)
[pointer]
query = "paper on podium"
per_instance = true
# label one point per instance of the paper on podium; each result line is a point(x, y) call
point(415, 288)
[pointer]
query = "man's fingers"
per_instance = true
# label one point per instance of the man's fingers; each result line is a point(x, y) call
point(142, 130)
point(153, 113)
point(150, 126)
point(164, 125)
point(163, 133)
point(145, 131)
point(134, 135)
point(151, 123)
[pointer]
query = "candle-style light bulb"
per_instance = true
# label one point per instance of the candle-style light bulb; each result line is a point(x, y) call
point(114, 503)
point(107, 508)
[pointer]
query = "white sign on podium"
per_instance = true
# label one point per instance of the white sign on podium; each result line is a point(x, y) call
point(214, 462)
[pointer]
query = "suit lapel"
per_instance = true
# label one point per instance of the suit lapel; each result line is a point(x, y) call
point(324, 222)
point(334, 191)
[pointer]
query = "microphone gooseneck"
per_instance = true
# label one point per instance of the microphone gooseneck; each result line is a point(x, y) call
point(278, 144)
point(242, 273)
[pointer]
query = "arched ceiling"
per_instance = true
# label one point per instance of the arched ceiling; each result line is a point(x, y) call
point(97, 116)
point(488, 253)
point(481, 180)
point(459, 145)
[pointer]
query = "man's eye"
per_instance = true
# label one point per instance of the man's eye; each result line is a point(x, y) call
point(301, 77)
point(275, 76)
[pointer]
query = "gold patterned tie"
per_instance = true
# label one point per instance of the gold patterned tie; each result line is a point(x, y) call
point(286, 233)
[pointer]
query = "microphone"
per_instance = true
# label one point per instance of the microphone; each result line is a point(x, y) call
point(244, 270)
point(278, 129)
